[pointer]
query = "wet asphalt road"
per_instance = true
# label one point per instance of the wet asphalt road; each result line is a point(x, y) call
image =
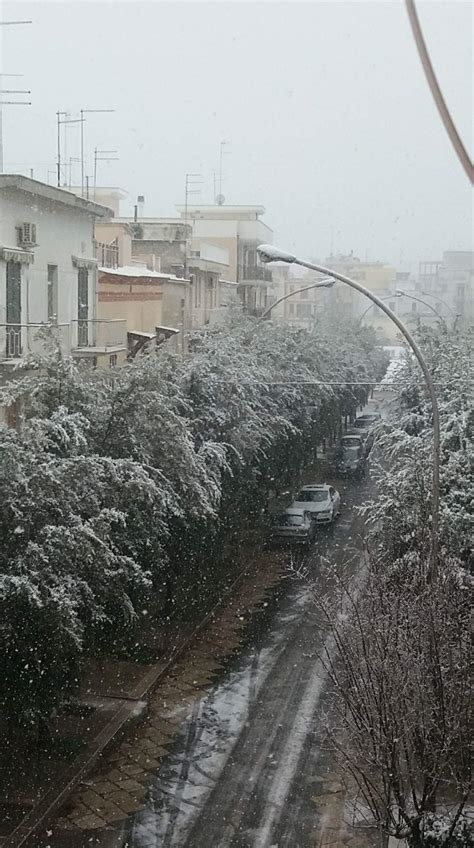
point(246, 761)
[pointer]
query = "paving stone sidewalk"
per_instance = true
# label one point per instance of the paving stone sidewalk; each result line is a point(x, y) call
point(118, 787)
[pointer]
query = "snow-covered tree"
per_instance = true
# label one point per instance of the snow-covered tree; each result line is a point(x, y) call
point(122, 489)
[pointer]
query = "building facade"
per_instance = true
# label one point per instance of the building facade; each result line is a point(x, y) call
point(155, 306)
point(238, 230)
point(450, 283)
point(48, 275)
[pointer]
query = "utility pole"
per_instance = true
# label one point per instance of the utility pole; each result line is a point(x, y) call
point(192, 181)
point(84, 112)
point(107, 156)
point(10, 102)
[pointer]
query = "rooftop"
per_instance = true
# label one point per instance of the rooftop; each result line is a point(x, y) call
point(213, 210)
point(49, 192)
point(142, 271)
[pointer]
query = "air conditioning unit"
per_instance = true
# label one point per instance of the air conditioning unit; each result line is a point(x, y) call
point(27, 235)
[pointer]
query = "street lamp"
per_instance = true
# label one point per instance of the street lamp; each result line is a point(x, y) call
point(269, 253)
point(446, 305)
point(399, 293)
point(323, 284)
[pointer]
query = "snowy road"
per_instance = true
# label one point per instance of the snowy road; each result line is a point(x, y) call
point(246, 762)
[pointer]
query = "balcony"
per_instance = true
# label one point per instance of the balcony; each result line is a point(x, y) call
point(18, 341)
point(81, 338)
point(90, 337)
point(107, 255)
point(254, 275)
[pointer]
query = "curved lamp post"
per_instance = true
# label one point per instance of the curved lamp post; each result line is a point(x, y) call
point(399, 293)
point(446, 305)
point(269, 253)
point(323, 284)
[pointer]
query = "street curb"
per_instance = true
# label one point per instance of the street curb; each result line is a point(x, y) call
point(49, 804)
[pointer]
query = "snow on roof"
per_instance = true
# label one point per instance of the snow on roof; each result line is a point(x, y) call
point(142, 271)
point(229, 282)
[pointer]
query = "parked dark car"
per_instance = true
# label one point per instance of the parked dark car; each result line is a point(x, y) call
point(294, 526)
point(352, 462)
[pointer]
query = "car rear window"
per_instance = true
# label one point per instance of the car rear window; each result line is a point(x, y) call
point(286, 520)
point(312, 497)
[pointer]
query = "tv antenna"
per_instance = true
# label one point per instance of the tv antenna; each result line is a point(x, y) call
point(193, 181)
point(220, 199)
point(10, 102)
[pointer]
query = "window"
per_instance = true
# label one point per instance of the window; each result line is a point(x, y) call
point(13, 310)
point(82, 307)
point(308, 496)
point(290, 520)
point(392, 305)
point(197, 291)
point(291, 309)
point(413, 307)
point(112, 360)
point(52, 293)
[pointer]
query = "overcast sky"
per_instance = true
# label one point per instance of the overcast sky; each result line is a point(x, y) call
point(329, 118)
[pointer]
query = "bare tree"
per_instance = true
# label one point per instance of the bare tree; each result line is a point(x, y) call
point(400, 722)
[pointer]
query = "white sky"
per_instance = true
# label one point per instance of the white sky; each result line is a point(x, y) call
point(330, 120)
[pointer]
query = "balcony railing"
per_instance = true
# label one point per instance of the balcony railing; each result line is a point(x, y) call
point(20, 340)
point(249, 273)
point(99, 333)
point(107, 255)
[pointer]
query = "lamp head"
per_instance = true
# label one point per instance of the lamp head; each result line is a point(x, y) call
point(269, 253)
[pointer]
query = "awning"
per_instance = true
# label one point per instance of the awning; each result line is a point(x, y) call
point(83, 262)
point(15, 254)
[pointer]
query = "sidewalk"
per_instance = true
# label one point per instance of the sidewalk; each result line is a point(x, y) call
point(116, 695)
point(112, 698)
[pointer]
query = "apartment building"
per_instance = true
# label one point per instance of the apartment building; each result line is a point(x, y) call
point(238, 230)
point(155, 306)
point(48, 275)
point(449, 283)
point(168, 247)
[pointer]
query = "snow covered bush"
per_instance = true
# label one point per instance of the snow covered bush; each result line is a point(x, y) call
point(438, 832)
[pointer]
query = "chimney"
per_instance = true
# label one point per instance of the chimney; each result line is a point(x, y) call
point(141, 205)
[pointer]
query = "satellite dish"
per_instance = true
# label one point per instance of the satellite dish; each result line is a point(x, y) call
point(220, 199)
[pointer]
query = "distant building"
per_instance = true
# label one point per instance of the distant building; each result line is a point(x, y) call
point(167, 246)
point(450, 284)
point(378, 277)
point(155, 306)
point(238, 230)
point(48, 275)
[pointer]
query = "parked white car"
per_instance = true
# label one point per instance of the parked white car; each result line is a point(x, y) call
point(319, 499)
